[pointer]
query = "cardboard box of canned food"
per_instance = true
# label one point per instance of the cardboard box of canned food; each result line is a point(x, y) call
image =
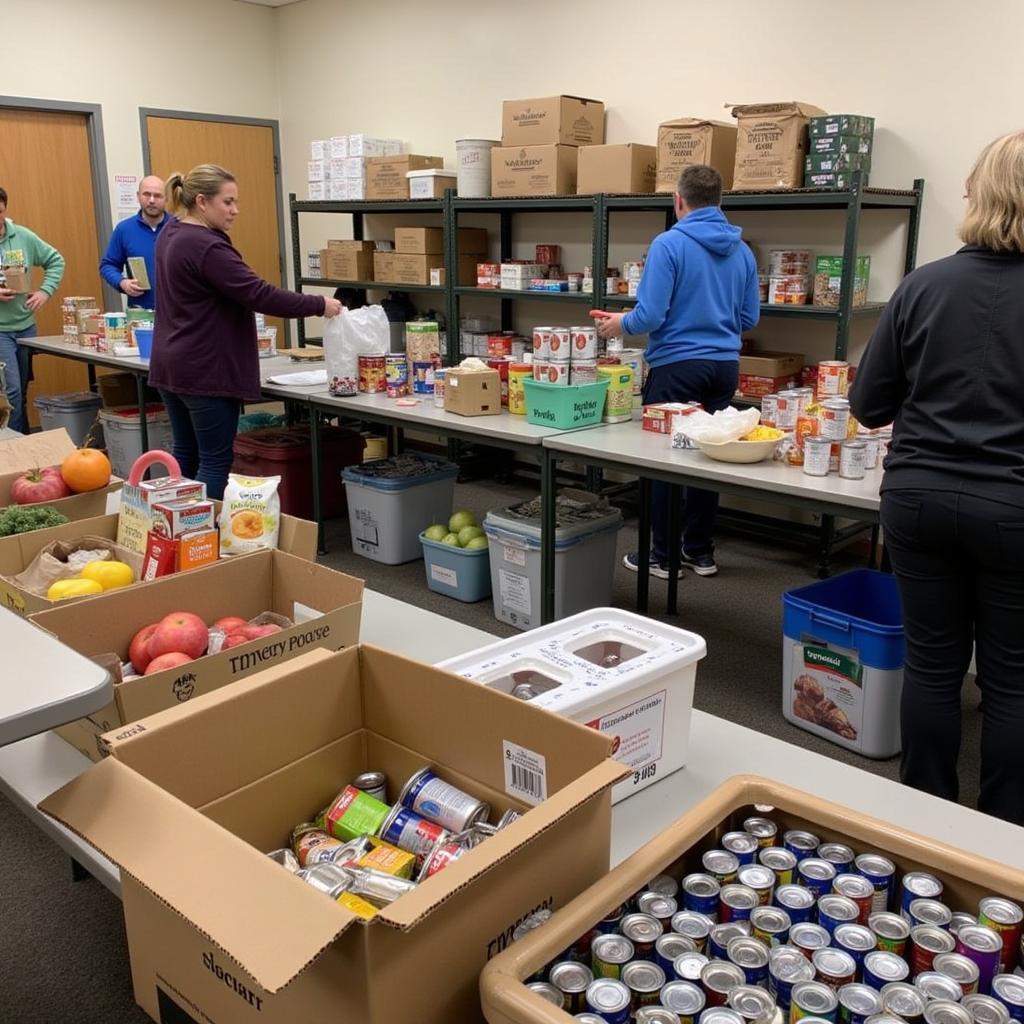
point(218, 931)
point(324, 606)
point(966, 879)
point(687, 141)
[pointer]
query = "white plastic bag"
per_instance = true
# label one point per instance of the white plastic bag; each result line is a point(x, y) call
point(718, 428)
point(250, 517)
point(355, 333)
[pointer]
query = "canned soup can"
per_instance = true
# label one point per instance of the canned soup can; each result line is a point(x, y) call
point(430, 796)
point(411, 832)
point(572, 980)
point(682, 998)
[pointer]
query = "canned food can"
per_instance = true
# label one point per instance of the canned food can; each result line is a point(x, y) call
point(373, 375)
point(608, 954)
point(352, 813)
point(667, 885)
point(694, 926)
point(547, 991)
point(987, 1009)
point(343, 854)
point(770, 925)
point(781, 861)
point(330, 879)
point(589, 1018)
point(610, 1000)
point(308, 837)
point(904, 1000)
point(736, 902)
point(787, 411)
point(857, 1003)
point(917, 885)
point(720, 1015)
point(688, 966)
point(787, 966)
point(440, 376)
point(817, 875)
point(751, 957)
point(759, 878)
point(797, 901)
point(540, 370)
point(643, 931)
point(1005, 919)
point(881, 873)
point(817, 456)
point(945, 1011)
point(743, 845)
point(700, 893)
point(984, 946)
point(933, 985)
point(852, 460)
point(661, 908)
point(644, 981)
point(834, 967)
point(800, 843)
point(722, 934)
point(926, 943)
point(959, 918)
point(833, 379)
point(656, 1014)
point(423, 377)
point(858, 889)
point(683, 998)
point(809, 938)
point(835, 419)
point(560, 345)
point(721, 865)
point(769, 410)
point(286, 859)
point(429, 795)
point(835, 910)
point(813, 999)
point(838, 854)
point(927, 911)
point(583, 372)
point(571, 979)
point(374, 783)
point(789, 261)
point(956, 966)
point(891, 931)
point(882, 967)
point(873, 448)
point(718, 979)
point(753, 1003)
point(411, 832)
point(856, 939)
point(542, 343)
point(610, 924)
point(517, 373)
point(558, 373)
point(584, 342)
point(764, 830)
point(396, 374)
point(885, 1018)
point(378, 887)
point(1008, 989)
point(668, 948)
point(441, 856)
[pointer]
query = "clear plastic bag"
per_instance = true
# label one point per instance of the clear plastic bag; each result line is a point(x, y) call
point(723, 426)
point(355, 333)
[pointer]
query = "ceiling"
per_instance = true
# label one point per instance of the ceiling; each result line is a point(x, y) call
point(271, 3)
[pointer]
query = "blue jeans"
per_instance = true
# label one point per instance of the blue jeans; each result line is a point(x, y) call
point(17, 363)
point(713, 384)
point(204, 431)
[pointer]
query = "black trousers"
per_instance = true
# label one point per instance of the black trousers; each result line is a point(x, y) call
point(959, 561)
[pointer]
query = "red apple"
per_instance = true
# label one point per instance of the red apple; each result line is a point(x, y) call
point(164, 661)
point(180, 632)
point(230, 623)
point(235, 640)
point(138, 651)
point(37, 485)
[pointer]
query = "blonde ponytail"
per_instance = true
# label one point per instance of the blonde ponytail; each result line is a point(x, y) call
point(182, 190)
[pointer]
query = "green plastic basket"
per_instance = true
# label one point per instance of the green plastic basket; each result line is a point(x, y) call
point(564, 406)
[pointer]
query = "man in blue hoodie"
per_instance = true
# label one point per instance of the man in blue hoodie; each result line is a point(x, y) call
point(697, 295)
point(137, 236)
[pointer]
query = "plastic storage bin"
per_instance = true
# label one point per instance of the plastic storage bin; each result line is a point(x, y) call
point(462, 573)
point(390, 501)
point(284, 452)
point(75, 412)
point(564, 406)
point(616, 671)
point(123, 434)
point(842, 660)
point(584, 563)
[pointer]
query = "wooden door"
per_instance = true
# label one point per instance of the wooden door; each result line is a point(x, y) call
point(45, 168)
point(247, 151)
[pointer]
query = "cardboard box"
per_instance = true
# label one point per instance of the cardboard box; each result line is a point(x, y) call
point(550, 120)
point(842, 124)
point(534, 171)
point(325, 605)
point(415, 268)
point(350, 245)
point(687, 141)
point(49, 448)
point(840, 180)
point(346, 265)
point(772, 364)
point(17, 279)
point(431, 240)
point(386, 175)
point(626, 168)
point(431, 184)
point(751, 385)
point(296, 537)
point(384, 266)
point(771, 144)
point(833, 163)
point(834, 144)
point(472, 392)
point(252, 942)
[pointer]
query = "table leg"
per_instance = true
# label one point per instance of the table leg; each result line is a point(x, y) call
point(314, 447)
point(643, 575)
point(674, 528)
point(873, 556)
point(90, 369)
point(828, 531)
point(140, 393)
point(548, 464)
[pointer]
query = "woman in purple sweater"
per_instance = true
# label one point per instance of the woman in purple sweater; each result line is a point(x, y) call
point(205, 361)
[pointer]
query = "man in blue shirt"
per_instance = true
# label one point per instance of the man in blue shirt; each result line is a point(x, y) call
point(697, 295)
point(136, 236)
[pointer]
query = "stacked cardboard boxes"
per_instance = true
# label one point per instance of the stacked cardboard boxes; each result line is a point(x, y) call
point(838, 145)
point(337, 166)
point(419, 253)
point(347, 260)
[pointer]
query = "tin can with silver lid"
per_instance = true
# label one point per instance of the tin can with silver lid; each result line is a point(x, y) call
point(881, 873)
point(839, 854)
point(668, 948)
point(817, 456)
point(813, 999)
point(770, 925)
point(904, 1000)
point(787, 966)
point(1006, 919)
point(743, 845)
point(860, 890)
point(764, 830)
point(797, 901)
point(946, 1011)
point(688, 966)
point(736, 902)
point(644, 981)
point(286, 859)
point(881, 967)
point(817, 875)
point(960, 968)
point(661, 908)
point(413, 833)
point(718, 979)
point(987, 1009)
point(853, 460)
point(918, 885)
point(643, 931)
point(655, 1015)
point(759, 878)
point(1009, 990)
point(546, 991)
point(722, 934)
point(683, 998)
point(753, 1003)
point(589, 1018)
point(700, 893)
point(571, 979)
point(892, 932)
point(665, 884)
point(834, 967)
point(695, 926)
point(610, 1000)
point(378, 887)
point(858, 1002)
point(930, 912)
point(720, 865)
point(751, 957)
point(984, 946)
point(856, 939)
point(430, 796)
point(959, 918)
point(608, 955)
point(374, 783)
point(782, 863)
point(720, 1015)
point(809, 938)
point(835, 910)
point(933, 986)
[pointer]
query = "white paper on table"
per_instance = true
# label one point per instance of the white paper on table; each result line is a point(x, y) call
point(304, 379)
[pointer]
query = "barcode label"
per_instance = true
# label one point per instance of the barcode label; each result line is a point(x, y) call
point(525, 773)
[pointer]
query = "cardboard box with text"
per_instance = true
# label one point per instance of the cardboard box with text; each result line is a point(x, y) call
point(626, 168)
point(688, 141)
point(384, 266)
point(386, 175)
point(771, 144)
point(415, 268)
point(431, 240)
point(534, 170)
point(346, 264)
point(552, 120)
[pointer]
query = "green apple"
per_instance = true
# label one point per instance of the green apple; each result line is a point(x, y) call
point(438, 531)
point(452, 540)
point(475, 543)
point(460, 519)
point(467, 533)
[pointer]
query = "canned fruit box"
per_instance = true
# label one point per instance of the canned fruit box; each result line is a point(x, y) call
point(677, 851)
point(842, 124)
point(833, 144)
point(839, 181)
point(828, 280)
point(251, 942)
point(831, 163)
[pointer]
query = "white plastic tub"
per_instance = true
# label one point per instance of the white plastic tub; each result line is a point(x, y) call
point(123, 434)
point(612, 670)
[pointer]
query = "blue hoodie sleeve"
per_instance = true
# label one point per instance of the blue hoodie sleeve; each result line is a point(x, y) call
point(751, 311)
point(114, 259)
point(655, 293)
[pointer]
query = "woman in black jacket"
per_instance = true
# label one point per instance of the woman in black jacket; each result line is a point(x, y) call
point(946, 366)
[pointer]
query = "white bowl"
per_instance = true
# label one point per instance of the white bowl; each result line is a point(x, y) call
point(739, 451)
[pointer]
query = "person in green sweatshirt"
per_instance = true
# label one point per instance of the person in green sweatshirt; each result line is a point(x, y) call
point(20, 247)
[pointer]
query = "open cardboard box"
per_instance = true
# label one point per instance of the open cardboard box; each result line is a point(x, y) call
point(218, 931)
point(296, 536)
point(325, 605)
point(677, 851)
point(49, 448)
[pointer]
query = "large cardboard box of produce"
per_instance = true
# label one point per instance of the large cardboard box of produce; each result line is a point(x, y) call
point(771, 144)
point(687, 141)
point(469, 392)
point(431, 240)
point(39, 451)
point(324, 605)
point(624, 168)
point(570, 120)
point(219, 932)
point(534, 170)
point(296, 537)
point(386, 175)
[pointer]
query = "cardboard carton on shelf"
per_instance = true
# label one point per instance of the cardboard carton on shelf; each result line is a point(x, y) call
point(552, 120)
point(386, 175)
point(416, 268)
point(384, 266)
point(622, 168)
point(470, 392)
point(346, 264)
point(255, 941)
point(548, 170)
point(771, 364)
point(430, 241)
point(771, 144)
point(686, 141)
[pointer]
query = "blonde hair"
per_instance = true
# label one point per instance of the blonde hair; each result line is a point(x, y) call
point(995, 197)
point(182, 190)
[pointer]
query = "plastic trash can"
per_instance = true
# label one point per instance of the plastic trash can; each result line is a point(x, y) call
point(842, 661)
point(462, 573)
point(75, 412)
point(123, 433)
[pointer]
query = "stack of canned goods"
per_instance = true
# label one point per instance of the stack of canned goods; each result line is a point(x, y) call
point(366, 853)
point(776, 926)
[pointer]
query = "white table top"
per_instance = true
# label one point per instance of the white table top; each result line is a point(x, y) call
point(44, 683)
point(57, 345)
point(632, 446)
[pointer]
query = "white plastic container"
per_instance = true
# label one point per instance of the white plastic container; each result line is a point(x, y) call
point(430, 183)
point(612, 670)
point(584, 566)
point(474, 159)
point(123, 434)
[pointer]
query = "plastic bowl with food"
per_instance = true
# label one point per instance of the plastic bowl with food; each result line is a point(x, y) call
point(760, 447)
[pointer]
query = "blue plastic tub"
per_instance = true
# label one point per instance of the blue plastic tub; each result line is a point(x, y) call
point(462, 573)
point(842, 662)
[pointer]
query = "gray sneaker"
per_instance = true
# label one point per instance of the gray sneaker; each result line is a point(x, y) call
point(702, 565)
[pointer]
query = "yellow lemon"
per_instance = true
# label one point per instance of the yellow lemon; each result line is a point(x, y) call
point(63, 589)
point(109, 575)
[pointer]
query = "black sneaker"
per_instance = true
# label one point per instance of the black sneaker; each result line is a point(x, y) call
point(658, 569)
point(702, 565)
